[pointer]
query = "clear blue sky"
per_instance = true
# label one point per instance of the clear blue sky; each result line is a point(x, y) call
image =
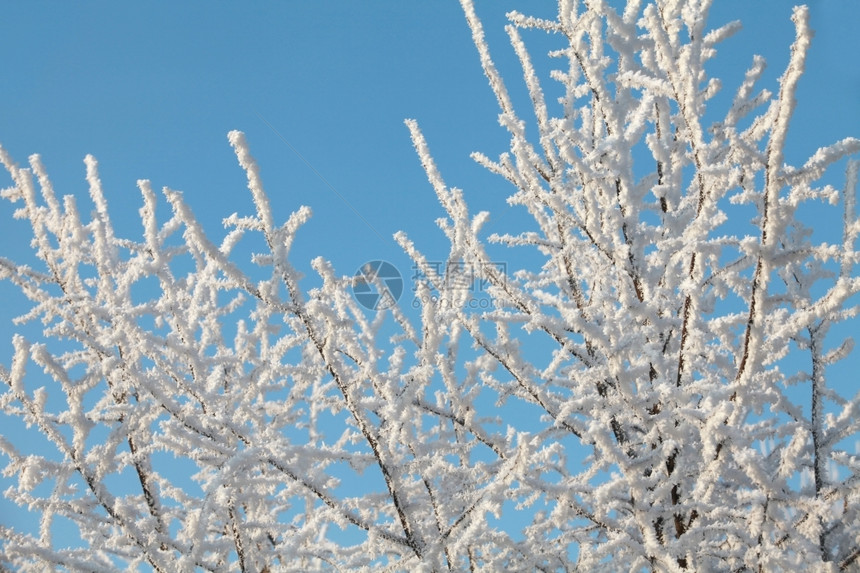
point(151, 90)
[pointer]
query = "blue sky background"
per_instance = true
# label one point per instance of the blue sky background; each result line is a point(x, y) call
point(152, 89)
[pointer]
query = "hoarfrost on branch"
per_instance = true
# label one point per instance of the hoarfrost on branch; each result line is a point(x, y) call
point(216, 422)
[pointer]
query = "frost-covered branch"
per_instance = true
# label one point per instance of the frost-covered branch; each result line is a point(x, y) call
point(655, 388)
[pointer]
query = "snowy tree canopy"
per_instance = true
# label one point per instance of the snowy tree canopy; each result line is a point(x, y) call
point(651, 391)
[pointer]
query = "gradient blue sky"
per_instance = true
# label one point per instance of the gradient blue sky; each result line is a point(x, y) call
point(151, 90)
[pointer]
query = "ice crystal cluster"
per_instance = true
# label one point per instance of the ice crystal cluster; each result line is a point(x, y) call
point(652, 392)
